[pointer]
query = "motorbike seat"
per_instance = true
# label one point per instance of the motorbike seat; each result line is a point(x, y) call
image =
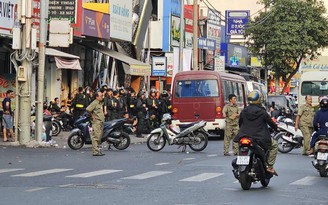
point(184, 126)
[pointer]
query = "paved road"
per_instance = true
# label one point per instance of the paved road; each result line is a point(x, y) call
point(139, 176)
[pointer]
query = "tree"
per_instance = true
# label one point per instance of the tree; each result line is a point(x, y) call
point(287, 32)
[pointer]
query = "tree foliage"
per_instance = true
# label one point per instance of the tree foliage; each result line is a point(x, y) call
point(286, 32)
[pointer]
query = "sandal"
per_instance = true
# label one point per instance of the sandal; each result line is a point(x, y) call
point(272, 171)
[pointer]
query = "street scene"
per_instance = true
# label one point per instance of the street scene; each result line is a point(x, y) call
point(178, 102)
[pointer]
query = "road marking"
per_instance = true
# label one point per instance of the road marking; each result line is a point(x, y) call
point(148, 175)
point(9, 170)
point(163, 163)
point(36, 189)
point(95, 173)
point(212, 155)
point(40, 173)
point(309, 180)
point(188, 159)
point(201, 177)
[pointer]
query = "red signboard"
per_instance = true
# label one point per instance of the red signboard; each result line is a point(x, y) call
point(188, 11)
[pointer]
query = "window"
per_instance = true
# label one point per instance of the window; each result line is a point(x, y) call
point(196, 88)
point(314, 88)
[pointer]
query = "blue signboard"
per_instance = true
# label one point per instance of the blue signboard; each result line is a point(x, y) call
point(206, 44)
point(236, 21)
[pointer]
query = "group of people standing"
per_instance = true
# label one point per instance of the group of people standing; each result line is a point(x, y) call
point(253, 121)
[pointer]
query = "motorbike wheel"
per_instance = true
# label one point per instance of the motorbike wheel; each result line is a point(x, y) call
point(283, 146)
point(245, 180)
point(125, 141)
point(75, 141)
point(323, 171)
point(202, 144)
point(56, 128)
point(155, 142)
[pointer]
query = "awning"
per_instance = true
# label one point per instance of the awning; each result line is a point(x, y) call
point(62, 63)
point(54, 52)
point(137, 68)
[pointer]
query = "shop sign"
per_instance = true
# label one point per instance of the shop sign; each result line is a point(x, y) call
point(95, 24)
point(158, 66)
point(236, 21)
point(64, 9)
point(121, 19)
point(175, 31)
point(8, 12)
point(206, 44)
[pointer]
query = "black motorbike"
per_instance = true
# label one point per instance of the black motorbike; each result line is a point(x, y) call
point(113, 133)
point(63, 122)
point(250, 165)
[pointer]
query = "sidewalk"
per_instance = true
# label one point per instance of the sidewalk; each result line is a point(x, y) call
point(60, 141)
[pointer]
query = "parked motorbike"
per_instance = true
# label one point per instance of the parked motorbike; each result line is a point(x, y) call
point(320, 161)
point(288, 139)
point(62, 122)
point(113, 133)
point(250, 164)
point(193, 135)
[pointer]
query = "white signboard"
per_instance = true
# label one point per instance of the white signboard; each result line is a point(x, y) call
point(219, 63)
point(8, 12)
point(121, 19)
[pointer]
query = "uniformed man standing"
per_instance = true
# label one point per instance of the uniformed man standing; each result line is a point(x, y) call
point(97, 120)
point(231, 113)
point(304, 121)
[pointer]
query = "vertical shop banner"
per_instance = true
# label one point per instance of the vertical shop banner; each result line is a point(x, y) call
point(158, 66)
point(8, 15)
point(169, 63)
point(95, 24)
point(175, 7)
point(175, 31)
point(219, 63)
point(121, 19)
point(36, 17)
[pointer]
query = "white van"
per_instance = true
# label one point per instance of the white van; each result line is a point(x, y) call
point(313, 83)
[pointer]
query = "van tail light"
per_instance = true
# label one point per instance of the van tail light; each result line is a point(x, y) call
point(218, 112)
point(245, 141)
point(175, 113)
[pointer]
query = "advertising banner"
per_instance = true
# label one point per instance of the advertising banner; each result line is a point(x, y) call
point(64, 9)
point(95, 24)
point(206, 44)
point(8, 12)
point(236, 21)
point(219, 63)
point(121, 20)
point(170, 64)
point(175, 31)
point(158, 66)
point(176, 7)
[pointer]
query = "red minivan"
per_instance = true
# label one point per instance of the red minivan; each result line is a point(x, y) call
point(201, 95)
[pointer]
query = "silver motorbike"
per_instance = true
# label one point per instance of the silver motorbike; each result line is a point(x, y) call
point(194, 135)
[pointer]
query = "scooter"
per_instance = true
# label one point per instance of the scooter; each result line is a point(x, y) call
point(288, 139)
point(320, 161)
point(194, 135)
point(250, 164)
point(62, 122)
point(113, 133)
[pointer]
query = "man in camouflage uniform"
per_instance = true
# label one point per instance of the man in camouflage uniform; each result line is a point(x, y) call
point(304, 121)
point(231, 112)
point(97, 119)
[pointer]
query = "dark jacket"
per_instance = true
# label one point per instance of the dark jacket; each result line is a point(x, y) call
point(321, 118)
point(253, 122)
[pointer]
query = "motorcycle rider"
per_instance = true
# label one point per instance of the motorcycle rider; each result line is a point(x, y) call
point(320, 123)
point(253, 122)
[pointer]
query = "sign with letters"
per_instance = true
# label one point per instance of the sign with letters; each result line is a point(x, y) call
point(206, 44)
point(236, 21)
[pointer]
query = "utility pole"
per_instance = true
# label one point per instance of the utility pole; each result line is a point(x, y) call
point(181, 37)
point(195, 35)
point(42, 56)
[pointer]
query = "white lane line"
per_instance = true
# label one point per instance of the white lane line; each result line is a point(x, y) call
point(212, 155)
point(9, 170)
point(36, 189)
point(201, 177)
point(148, 175)
point(163, 163)
point(40, 173)
point(188, 159)
point(309, 180)
point(95, 173)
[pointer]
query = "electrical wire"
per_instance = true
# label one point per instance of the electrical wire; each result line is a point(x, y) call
point(216, 12)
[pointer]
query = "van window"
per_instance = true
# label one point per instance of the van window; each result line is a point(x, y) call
point(196, 88)
point(230, 87)
point(240, 96)
point(315, 88)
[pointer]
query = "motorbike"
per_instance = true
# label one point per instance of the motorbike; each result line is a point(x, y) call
point(62, 122)
point(113, 133)
point(250, 164)
point(288, 139)
point(320, 161)
point(194, 135)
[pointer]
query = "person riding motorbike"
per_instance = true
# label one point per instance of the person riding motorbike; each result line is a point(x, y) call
point(320, 123)
point(253, 122)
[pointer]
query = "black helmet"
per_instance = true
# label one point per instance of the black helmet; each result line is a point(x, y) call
point(254, 97)
point(324, 103)
point(165, 93)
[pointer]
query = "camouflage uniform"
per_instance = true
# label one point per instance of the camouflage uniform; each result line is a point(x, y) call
point(231, 128)
point(96, 108)
point(306, 113)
